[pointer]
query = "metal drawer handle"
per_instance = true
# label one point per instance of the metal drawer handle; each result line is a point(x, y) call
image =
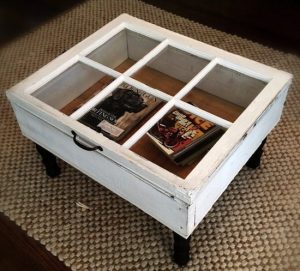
point(84, 146)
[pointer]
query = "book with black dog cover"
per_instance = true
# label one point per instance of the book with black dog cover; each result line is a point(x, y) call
point(183, 136)
point(118, 113)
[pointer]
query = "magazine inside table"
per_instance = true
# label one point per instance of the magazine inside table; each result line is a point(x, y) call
point(181, 78)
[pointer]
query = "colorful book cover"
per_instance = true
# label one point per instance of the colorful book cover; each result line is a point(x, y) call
point(118, 113)
point(179, 131)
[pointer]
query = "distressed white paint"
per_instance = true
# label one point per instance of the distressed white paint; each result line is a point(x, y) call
point(163, 207)
point(154, 175)
point(179, 204)
point(234, 135)
point(221, 178)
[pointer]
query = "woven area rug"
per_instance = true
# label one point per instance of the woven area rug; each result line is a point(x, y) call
point(255, 225)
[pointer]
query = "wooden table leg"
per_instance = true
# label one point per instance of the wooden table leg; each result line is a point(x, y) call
point(49, 161)
point(254, 160)
point(181, 249)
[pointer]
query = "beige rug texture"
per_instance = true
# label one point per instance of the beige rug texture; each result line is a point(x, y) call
point(255, 225)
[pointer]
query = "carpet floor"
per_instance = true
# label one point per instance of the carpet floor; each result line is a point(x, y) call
point(255, 225)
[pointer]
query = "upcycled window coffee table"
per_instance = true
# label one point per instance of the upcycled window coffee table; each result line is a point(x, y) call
point(244, 97)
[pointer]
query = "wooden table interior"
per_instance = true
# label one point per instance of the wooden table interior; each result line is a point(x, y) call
point(169, 85)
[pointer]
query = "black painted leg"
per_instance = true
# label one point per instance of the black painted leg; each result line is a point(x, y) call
point(181, 249)
point(254, 160)
point(49, 160)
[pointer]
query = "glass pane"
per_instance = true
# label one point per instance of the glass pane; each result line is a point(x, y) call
point(72, 88)
point(123, 50)
point(225, 92)
point(178, 141)
point(122, 112)
point(170, 70)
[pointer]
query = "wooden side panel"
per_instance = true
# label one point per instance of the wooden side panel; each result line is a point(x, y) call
point(163, 207)
point(222, 177)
